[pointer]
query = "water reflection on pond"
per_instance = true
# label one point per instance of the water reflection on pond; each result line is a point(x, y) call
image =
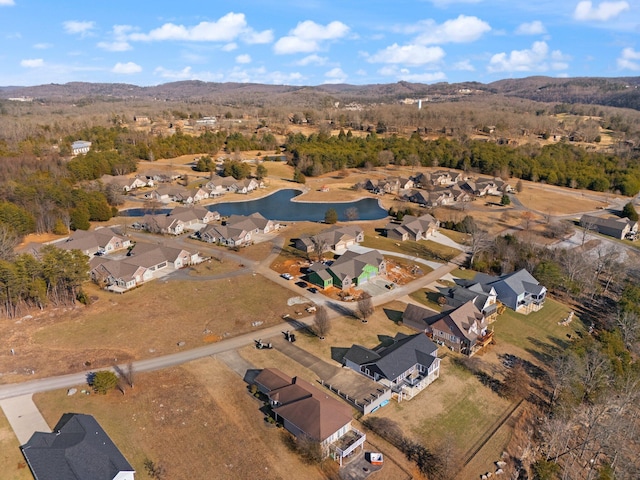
point(278, 206)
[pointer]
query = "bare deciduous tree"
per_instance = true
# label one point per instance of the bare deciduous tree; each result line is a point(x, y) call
point(321, 323)
point(365, 307)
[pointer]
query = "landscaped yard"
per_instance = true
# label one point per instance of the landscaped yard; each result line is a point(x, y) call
point(197, 421)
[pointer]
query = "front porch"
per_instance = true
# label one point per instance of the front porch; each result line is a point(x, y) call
point(414, 384)
point(347, 444)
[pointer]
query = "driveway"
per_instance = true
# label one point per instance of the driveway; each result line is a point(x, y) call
point(24, 417)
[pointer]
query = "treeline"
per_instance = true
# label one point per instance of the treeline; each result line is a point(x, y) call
point(589, 403)
point(557, 164)
point(54, 278)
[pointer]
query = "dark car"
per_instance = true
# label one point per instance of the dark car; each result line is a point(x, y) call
point(302, 284)
point(313, 290)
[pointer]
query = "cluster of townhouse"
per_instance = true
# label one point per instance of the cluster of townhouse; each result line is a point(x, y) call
point(118, 264)
point(178, 220)
point(237, 230)
point(432, 189)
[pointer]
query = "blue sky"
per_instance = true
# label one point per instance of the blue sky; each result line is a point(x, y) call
point(311, 42)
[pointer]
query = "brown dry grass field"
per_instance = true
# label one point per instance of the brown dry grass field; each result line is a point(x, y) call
point(197, 421)
point(146, 322)
point(11, 459)
point(554, 200)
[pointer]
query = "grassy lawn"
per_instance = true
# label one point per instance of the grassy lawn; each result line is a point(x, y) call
point(459, 237)
point(145, 322)
point(426, 249)
point(537, 333)
point(182, 419)
point(428, 298)
point(11, 459)
point(455, 407)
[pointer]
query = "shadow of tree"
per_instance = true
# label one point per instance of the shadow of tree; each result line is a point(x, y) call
point(341, 309)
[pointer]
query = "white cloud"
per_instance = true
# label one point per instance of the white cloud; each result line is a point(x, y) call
point(528, 60)
point(32, 63)
point(120, 42)
point(335, 75)
point(7, 3)
point(82, 28)
point(312, 59)
point(244, 58)
point(126, 68)
point(307, 35)
point(629, 60)
point(42, 46)
point(252, 37)
point(116, 46)
point(585, 10)
point(408, 55)
point(464, 65)
point(463, 29)
point(183, 74)
point(230, 47)
point(531, 28)
point(225, 29)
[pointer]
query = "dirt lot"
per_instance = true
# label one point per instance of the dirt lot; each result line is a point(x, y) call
point(146, 322)
point(197, 421)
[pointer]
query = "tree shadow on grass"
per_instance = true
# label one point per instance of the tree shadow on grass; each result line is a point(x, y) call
point(341, 309)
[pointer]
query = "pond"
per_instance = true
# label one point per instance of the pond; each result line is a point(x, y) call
point(279, 206)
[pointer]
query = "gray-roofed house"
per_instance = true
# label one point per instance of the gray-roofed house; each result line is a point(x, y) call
point(308, 411)
point(406, 366)
point(484, 298)
point(337, 238)
point(349, 270)
point(413, 228)
point(611, 226)
point(519, 291)
point(77, 449)
point(194, 214)
point(462, 329)
point(80, 146)
point(103, 240)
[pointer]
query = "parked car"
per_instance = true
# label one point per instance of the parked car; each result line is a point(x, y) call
point(302, 284)
point(390, 286)
point(313, 290)
point(287, 276)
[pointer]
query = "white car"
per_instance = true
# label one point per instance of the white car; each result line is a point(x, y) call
point(288, 276)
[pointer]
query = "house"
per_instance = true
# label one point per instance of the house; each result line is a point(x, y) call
point(191, 215)
point(128, 184)
point(118, 275)
point(431, 198)
point(168, 193)
point(77, 449)
point(255, 223)
point(481, 187)
point(611, 226)
point(161, 223)
point(306, 411)
point(484, 297)
point(103, 240)
point(193, 196)
point(225, 235)
point(412, 228)
point(462, 329)
point(406, 366)
point(349, 270)
point(337, 238)
point(519, 291)
point(157, 256)
point(80, 146)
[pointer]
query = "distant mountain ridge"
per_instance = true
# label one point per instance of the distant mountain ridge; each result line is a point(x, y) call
point(618, 92)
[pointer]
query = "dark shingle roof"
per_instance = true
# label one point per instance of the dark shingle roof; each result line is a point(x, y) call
point(78, 449)
point(404, 353)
